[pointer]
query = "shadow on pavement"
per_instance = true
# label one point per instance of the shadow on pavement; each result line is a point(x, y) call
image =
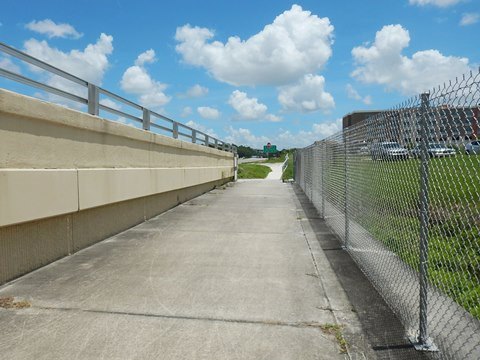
point(383, 329)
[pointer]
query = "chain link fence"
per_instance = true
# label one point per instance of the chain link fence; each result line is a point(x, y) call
point(401, 189)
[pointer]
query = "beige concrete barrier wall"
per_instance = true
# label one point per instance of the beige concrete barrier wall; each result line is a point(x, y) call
point(69, 179)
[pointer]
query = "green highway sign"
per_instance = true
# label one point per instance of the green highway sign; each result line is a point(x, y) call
point(269, 149)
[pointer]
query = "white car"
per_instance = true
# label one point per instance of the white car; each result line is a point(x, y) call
point(473, 147)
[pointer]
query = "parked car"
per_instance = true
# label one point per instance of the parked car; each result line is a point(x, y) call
point(473, 147)
point(364, 150)
point(388, 151)
point(434, 150)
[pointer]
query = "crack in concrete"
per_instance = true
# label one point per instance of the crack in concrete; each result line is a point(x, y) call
point(296, 324)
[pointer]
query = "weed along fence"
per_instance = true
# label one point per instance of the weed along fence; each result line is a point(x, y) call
point(402, 191)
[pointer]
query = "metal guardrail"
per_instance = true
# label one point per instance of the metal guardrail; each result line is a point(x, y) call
point(94, 105)
point(285, 164)
point(401, 190)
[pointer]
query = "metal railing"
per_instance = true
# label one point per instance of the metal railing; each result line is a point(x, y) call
point(149, 119)
point(401, 190)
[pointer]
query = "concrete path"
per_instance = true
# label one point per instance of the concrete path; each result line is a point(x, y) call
point(234, 274)
point(276, 173)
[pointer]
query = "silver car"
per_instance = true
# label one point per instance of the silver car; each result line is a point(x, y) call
point(388, 151)
point(434, 150)
point(473, 147)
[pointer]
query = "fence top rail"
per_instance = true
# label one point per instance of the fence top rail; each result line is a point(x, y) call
point(95, 104)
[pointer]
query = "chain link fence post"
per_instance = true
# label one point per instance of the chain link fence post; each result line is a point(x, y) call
point(345, 186)
point(422, 342)
point(323, 159)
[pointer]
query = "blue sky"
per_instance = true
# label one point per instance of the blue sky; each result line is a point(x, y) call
point(250, 72)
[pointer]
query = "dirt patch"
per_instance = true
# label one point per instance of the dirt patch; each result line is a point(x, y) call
point(8, 302)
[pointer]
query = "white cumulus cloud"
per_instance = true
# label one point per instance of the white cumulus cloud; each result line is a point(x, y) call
point(249, 108)
point(244, 136)
point(296, 43)
point(202, 128)
point(284, 138)
point(51, 29)
point(383, 63)
point(367, 100)
point(207, 112)
point(7, 64)
point(186, 111)
point(89, 64)
point(111, 104)
point(439, 3)
point(307, 95)
point(352, 93)
point(136, 80)
point(469, 19)
point(196, 91)
point(147, 57)
point(304, 138)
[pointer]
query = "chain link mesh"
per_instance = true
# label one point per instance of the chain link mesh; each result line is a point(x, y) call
point(401, 189)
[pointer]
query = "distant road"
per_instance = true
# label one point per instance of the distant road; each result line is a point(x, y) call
point(249, 160)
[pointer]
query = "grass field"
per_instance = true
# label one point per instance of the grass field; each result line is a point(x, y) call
point(384, 198)
point(279, 159)
point(253, 171)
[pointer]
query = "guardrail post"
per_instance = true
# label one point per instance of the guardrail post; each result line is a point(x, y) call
point(216, 144)
point(194, 136)
point(93, 100)
point(146, 119)
point(422, 342)
point(175, 130)
point(206, 140)
point(294, 165)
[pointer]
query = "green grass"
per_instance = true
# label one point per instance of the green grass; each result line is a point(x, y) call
point(336, 330)
point(279, 159)
point(252, 171)
point(384, 199)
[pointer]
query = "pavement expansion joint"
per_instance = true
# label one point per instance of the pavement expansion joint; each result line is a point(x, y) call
point(392, 347)
point(223, 232)
point(266, 322)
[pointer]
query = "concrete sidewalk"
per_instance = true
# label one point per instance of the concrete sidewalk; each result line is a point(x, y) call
point(236, 273)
